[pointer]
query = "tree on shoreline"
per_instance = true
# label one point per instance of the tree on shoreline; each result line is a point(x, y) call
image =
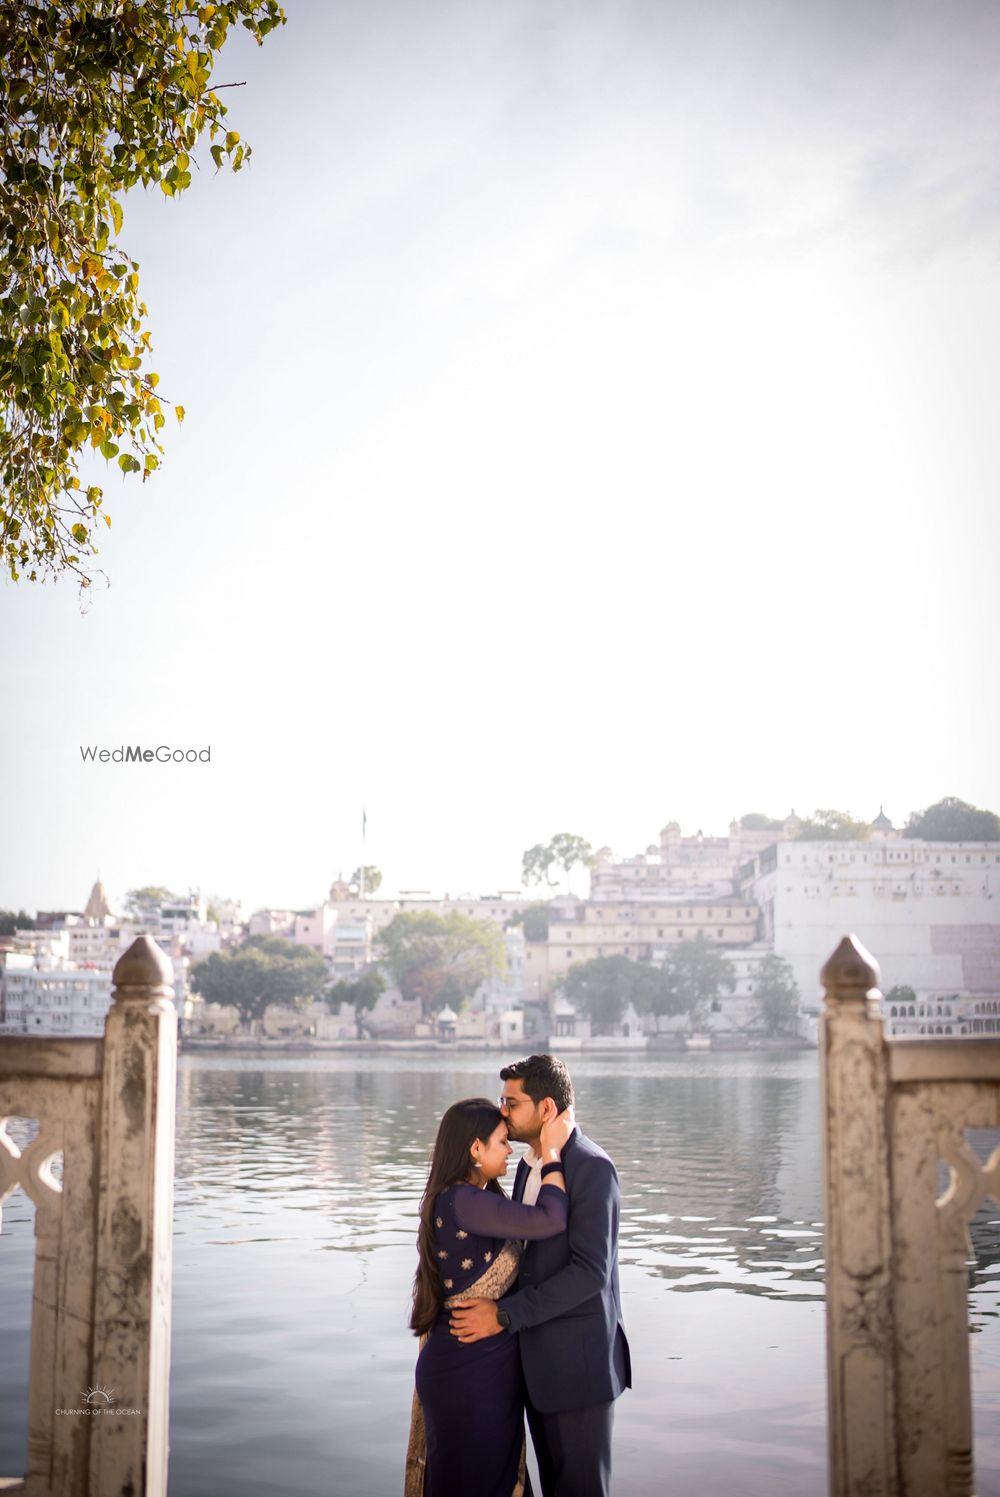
point(776, 996)
point(440, 959)
point(695, 974)
point(601, 988)
point(264, 970)
point(94, 100)
point(362, 992)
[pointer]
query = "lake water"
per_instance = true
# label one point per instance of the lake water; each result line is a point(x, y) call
point(296, 1192)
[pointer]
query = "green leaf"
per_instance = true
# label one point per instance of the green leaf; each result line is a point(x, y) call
point(72, 323)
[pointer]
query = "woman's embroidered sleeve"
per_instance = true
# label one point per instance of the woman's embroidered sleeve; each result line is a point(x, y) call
point(491, 1215)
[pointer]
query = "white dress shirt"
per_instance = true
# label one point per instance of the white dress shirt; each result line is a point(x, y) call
point(533, 1184)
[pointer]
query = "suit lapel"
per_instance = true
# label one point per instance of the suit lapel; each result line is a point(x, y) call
point(519, 1179)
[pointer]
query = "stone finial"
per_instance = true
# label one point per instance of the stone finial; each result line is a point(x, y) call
point(851, 972)
point(143, 965)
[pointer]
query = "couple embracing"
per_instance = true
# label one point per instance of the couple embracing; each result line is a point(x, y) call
point(516, 1301)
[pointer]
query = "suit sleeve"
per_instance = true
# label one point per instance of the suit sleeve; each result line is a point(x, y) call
point(491, 1215)
point(595, 1202)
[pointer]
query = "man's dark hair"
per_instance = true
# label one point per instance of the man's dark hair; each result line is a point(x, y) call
point(541, 1076)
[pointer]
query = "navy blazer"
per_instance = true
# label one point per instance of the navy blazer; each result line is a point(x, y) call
point(567, 1304)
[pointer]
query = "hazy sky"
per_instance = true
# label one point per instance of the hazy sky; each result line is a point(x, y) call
point(592, 421)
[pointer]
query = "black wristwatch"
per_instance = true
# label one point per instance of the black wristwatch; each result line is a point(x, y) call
point(504, 1319)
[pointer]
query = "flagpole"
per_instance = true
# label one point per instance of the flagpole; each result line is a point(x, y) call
point(364, 827)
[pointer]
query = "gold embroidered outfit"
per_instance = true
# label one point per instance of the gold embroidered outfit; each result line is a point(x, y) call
point(493, 1284)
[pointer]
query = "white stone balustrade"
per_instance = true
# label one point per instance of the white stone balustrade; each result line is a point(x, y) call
point(898, 1382)
point(101, 1296)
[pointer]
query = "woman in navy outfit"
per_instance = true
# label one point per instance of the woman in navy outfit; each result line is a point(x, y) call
point(467, 1436)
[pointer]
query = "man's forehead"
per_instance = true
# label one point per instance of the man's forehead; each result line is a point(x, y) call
point(513, 1088)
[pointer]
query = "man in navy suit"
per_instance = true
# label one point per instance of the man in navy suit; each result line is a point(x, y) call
point(567, 1306)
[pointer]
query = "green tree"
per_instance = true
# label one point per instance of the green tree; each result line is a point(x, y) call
point(11, 920)
point(361, 992)
point(439, 959)
point(565, 850)
point(755, 822)
point(372, 878)
point(953, 820)
point(602, 988)
point(899, 993)
point(536, 864)
point(280, 946)
point(149, 894)
point(833, 826)
point(694, 975)
point(257, 975)
point(776, 996)
point(95, 98)
point(534, 919)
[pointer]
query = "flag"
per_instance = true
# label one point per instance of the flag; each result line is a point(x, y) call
point(364, 822)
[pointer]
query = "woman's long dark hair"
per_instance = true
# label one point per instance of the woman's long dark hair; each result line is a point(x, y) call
point(463, 1123)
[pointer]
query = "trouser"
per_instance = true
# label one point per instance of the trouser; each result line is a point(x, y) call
point(573, 1449)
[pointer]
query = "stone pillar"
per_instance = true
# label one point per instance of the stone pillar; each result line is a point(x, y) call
point(128, 1454)
point(857, 1203)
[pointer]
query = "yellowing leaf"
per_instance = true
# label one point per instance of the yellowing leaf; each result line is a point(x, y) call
point(180, 413)
point(116, 214)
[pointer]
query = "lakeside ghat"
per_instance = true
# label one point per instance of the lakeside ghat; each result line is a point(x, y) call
point(637, 1045)
point(297, 1183)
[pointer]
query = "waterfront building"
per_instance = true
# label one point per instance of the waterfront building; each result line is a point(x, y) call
point(56, 978)
point(930, 909)
point(693, 867)
point(51, 999)
point(272, 923)
point(643, 930)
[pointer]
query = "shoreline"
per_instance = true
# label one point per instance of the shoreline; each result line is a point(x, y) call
point(662, 1044)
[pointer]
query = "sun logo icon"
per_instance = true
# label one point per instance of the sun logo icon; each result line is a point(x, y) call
point(95, 1395)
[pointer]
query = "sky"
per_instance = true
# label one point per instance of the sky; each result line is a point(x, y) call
point(591, 422)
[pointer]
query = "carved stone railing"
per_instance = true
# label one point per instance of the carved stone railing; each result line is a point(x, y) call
point(897, 1275)
point(100, 1325)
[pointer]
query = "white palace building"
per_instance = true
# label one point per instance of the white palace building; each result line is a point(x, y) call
point(928, 911)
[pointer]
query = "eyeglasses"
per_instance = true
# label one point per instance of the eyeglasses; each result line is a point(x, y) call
point(508, 1102)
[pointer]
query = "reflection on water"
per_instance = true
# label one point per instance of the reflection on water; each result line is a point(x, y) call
point(296, 1194)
